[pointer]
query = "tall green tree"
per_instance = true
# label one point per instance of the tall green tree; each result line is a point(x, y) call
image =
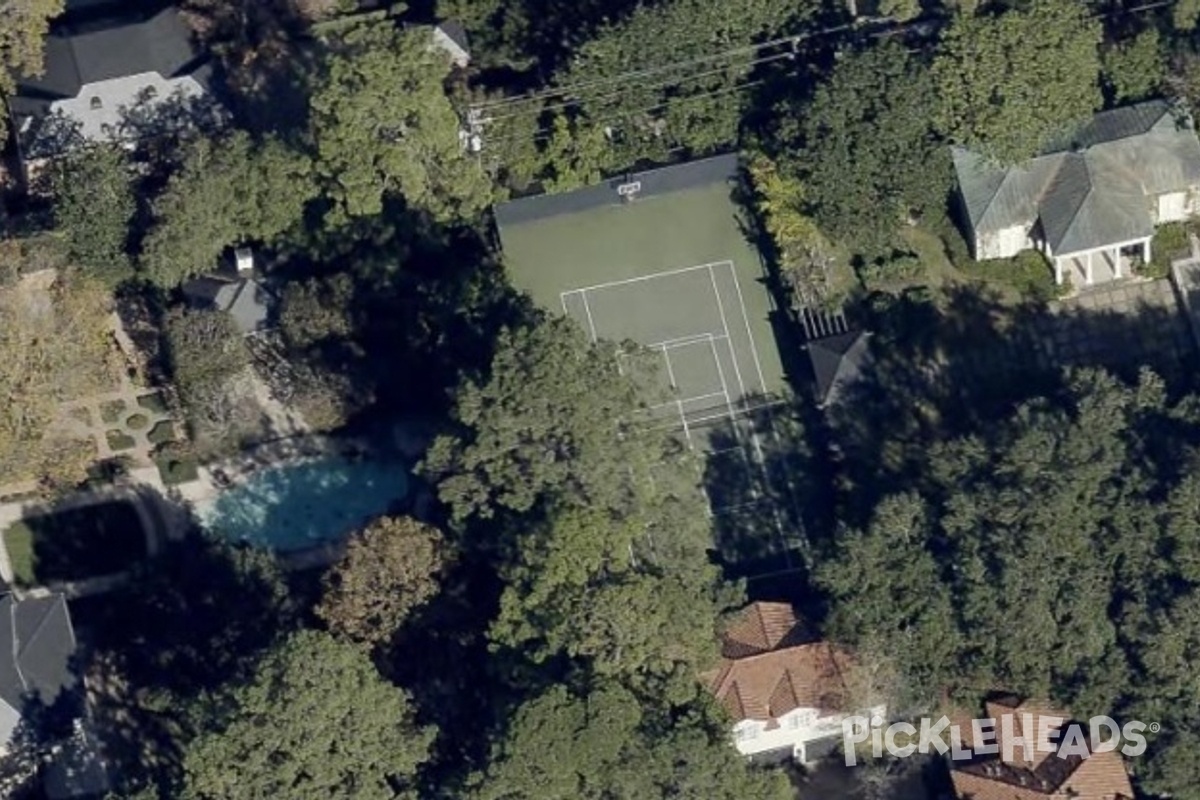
point(384, 126)
point(227, 192)
point(608, 564)
point(23, 28)
point(869, 156)
point(94, 206)
point(315, 722)
point(1135, 69)
point(390, 569)
point(1008, 82)
point(610, 744)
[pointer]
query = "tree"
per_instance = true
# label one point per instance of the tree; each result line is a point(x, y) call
point(555, 418)
point(94, 206)
point(206, 354)
point(608, 564)
point(1136, 69)
point(390, 568)
point(868, 155)
point(315, 722)
point(55, 349)
point(807, 261)
point(1185, 14)
point(383, 126)
point(317, 310)
point(688, 98)
point(1008, 83)
point(227, 192)
point(609, 743)
point(888, 599)
point(23, 28)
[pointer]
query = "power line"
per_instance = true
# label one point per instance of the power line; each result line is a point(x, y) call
point(672, 82)
point(791, 40)
point(624, 77)
point(540, 133)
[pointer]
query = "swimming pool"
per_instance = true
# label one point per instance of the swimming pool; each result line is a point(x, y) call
point(301, 505)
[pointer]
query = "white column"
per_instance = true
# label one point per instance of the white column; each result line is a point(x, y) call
point(1116, 252)
point(1057, 271)
point(1146, 250)
point(1089, 268)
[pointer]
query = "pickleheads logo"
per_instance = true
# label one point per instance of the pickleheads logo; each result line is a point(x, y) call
point(1012, 736)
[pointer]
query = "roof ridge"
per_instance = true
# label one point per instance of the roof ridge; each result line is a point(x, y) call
point(16, 650)
point(56, 601)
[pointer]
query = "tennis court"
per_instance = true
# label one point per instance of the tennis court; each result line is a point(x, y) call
point(671, 269)
point(695, 319)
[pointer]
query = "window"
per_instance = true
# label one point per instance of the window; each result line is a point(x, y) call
point(96, 103)
point(749, 732)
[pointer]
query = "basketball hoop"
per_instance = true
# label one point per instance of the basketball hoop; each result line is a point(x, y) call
point(629, 191)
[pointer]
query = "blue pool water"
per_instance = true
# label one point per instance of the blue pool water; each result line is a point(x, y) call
point(295, 506)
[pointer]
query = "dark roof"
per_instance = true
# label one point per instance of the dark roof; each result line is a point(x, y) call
point(1090, 188)
point(248, 301)
point(79, 54)
point(654, 182)
point(36, 644)
point(836, 360)
point(456, 33)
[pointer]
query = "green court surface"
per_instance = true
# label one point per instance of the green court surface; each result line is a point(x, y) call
point(673, 272)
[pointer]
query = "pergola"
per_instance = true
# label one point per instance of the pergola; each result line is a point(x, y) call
point(1104, 260)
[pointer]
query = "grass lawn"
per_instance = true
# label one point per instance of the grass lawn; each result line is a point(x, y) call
point(75, 544)
point(112, 411)
point(153, 402)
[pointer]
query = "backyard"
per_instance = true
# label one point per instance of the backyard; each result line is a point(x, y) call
point(75, 544)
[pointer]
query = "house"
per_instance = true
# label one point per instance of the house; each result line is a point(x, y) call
point(1091, 202)
point(837, 352)
point(450, 37)
point(236, 292)
point(1033, 768)
point(104, 77)
point(787, 695)
point(35, 659)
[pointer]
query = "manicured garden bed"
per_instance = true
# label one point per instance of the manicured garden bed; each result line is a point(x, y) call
point(119, 440)
point(74, 544)
point(175, 470)
point(162, 432)
point(153, 402)
point(111, 411)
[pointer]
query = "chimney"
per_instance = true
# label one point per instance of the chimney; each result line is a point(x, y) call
point(244, 259)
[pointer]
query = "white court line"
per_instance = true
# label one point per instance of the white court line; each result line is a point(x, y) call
point(684, 341)
point(737, 371)
point(588, 310)
point(724, 385)
point(762, 382)
point(671, 373)
point(684, 400)
point(650, 277)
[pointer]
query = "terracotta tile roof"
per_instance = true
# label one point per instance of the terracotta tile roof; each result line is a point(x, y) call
point(1036, 775)
point(759, 628)
point(765, 672)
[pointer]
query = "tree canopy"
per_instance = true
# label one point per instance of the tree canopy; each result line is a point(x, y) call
point(383, 126)
point(1008, 82)
point(314, 722)
point(869, 157)
point(94, 206)
point(227, 192)
point(390, 569)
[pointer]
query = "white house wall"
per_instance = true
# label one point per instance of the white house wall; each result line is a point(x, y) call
point(117, 95)
point(1004, 243)
point(1172, 207)
point(795, 728)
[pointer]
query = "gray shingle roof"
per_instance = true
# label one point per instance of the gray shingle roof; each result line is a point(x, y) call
point(36, 644)
point(1093, 188)
point(248, 301)
point(836, 361)
point(76, 56)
